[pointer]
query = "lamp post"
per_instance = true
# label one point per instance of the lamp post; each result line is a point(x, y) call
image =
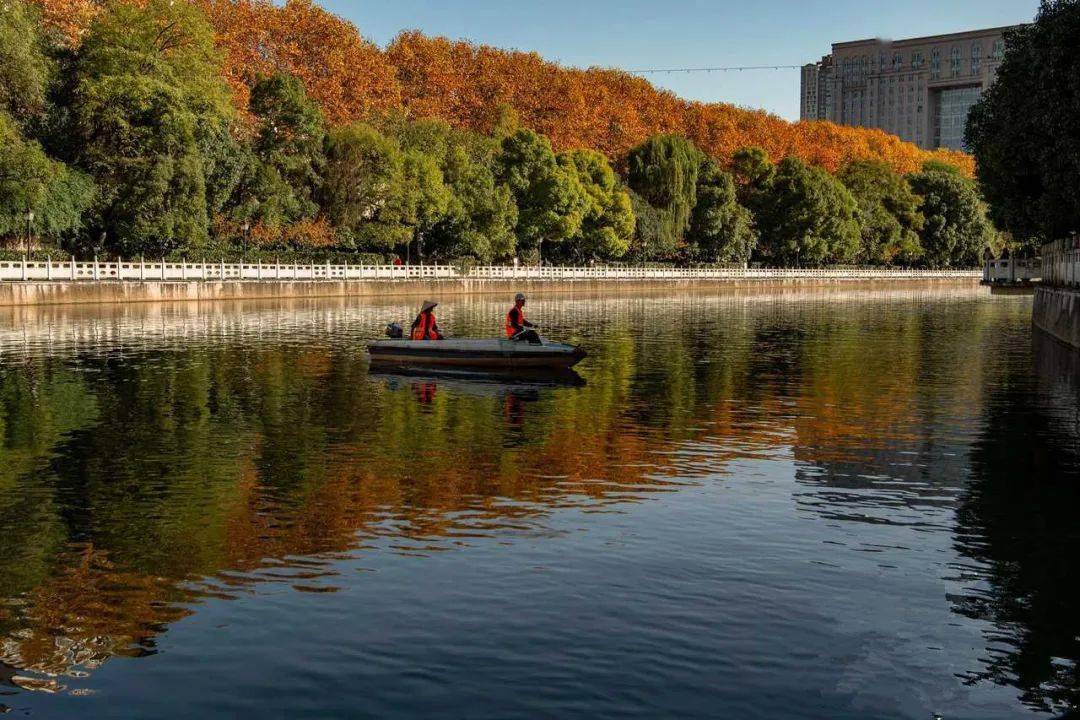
point(29, 230)
point(247, 229)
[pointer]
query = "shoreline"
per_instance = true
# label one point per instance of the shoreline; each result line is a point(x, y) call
point(35, 293)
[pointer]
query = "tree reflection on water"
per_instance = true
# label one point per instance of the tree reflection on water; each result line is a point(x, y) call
point(140, 479)
point(1017, 520)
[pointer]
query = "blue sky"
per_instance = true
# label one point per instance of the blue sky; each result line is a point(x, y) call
point(683, 33)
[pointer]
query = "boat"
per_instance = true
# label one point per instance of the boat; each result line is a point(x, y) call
point(475, 353)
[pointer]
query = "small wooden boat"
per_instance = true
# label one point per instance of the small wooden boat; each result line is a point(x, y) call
point(494, 353)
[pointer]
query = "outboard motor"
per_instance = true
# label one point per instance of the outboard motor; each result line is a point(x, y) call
point(394, 331)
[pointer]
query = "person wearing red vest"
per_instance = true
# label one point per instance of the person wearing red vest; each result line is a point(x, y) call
point(425, 327)
point(517, 327)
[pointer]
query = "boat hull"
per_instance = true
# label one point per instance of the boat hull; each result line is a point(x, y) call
point(493, 354)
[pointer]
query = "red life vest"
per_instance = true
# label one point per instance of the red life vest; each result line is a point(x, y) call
point(511, 331)
point(424, 328)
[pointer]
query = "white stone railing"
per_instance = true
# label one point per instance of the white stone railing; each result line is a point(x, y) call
point(68, 271)
point(1012, 270)
point(1061, 263)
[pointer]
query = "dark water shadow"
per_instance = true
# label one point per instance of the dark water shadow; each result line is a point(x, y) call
point(1018, 523)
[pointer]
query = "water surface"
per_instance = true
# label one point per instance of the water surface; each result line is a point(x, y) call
point(835, 504)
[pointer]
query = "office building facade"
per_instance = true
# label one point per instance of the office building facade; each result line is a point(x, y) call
point(920, 89)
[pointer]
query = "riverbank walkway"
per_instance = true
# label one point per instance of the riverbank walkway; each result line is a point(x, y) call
point(162, 271)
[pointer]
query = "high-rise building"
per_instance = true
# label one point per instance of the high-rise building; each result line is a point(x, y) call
point(919, 89)
point(814, 103)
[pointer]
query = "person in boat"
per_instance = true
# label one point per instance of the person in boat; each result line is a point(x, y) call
point(425, 327)
point(518, 328)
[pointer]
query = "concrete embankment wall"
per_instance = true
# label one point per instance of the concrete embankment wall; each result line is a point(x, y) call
point(65, 293)
point(1057, 312)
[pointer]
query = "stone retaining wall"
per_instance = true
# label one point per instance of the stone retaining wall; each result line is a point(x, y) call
point(57, 293)
point(1057, 312)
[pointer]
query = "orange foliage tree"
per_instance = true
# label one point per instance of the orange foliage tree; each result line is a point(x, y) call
point(346, 74)
point(612, 111)
point(466, 84)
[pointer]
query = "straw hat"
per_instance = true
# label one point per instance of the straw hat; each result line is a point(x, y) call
point(428, 305)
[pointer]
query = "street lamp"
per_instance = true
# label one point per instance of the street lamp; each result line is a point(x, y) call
point(29, 230)
point(247, 229)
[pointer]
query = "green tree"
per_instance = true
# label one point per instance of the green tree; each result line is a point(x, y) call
point(425, 197)
point(362, 188)
point(551, 202)
point(24, 64)
point(480, 214)
point(805, 215)
point(888, 213)
point(285, 172)
point(956, 229)
point(721, 230)
point(1025, 132)
point(149, 99)
point(607, 226)
point(29, 178)
point(752, 171)
point(663, 171)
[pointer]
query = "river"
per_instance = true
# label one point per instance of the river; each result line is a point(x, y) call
point(820, 504)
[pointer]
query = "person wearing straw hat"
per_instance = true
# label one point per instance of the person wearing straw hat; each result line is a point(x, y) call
point(425, 327)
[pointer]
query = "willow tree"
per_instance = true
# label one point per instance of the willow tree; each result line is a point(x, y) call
point(663, 172)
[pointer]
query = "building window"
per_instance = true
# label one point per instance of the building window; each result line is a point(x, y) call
point(897, 62)
point(976, 58)
point(954, 63)
point(953, 107)
point(935, 64)
point(916, 60)
point(999, 49)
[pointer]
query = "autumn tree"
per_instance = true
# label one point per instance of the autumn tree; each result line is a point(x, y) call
point(806, 216)
point(888, 213)
point(721, 230)
point(348, 76)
